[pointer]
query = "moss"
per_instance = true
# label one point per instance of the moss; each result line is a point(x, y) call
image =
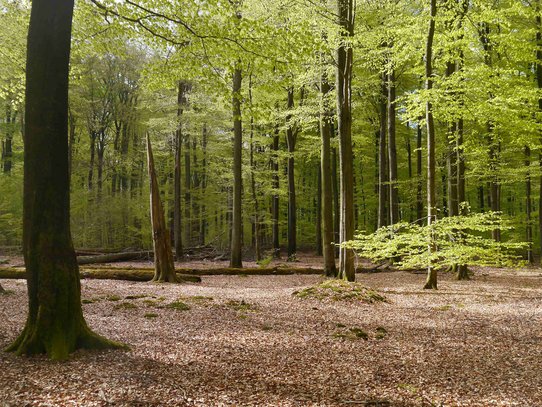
point(150, 315)
point(125, 305)
point(351, 334)
point(150, 303)
point(88, 301)
point(267, 328)
point(135, 297)
point(242, 305)
point(340, 290)
point(381, 333)
point(179, 306)
point(446, 307)
point(113, 298)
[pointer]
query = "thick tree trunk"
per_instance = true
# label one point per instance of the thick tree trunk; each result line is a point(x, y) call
point(431, 282)
point(392, 151)
point(344, 113)
point(291, 136)
point(237, 221)
point(383, 169)
point(164, 269)
point(55, 323)
point(326, 117)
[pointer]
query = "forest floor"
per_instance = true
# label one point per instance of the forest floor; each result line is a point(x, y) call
point(247, 340)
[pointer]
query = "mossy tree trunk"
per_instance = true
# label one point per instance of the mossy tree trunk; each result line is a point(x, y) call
point(55, 324)
point(164, 268)
point(431, 282)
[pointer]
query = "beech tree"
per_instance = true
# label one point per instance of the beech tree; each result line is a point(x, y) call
point(55, 323)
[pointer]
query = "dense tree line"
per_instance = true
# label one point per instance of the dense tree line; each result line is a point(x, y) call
point(289, 124)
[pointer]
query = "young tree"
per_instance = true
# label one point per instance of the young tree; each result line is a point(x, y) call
point(55, 324)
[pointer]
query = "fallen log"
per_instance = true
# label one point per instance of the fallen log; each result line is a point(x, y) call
point(103, 274)
point(115, 257)
point(228, 271)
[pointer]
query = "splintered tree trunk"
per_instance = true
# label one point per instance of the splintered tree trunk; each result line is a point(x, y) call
point(164, 268)
point(326, 116)
point(344, 113)
point(382, 159)
point(237, 222)
point(392, 151)
point(275, 199)
point(431, 282)
point(55, 324)
point(292, 211)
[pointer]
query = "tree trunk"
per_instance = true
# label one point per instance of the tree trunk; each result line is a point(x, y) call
point(392, 152)
point(319, 241)
point(292, 210)
point(419, 175)
point(383, 170)
point(326, 117)
point(91, 161)
point(431, 282)
point(539, 86)
point(528, 206)
point(237, 221)
point(177, 221)
point(164, 269)
point(275, 209)
point(335, 187)
point(55, 324)
point(7, 150)
point(203, 209)
point(257, 252)
point(344, 113)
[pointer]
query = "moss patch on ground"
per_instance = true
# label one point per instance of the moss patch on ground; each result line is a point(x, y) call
point(340, 290)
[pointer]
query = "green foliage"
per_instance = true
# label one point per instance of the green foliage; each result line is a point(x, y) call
point(459, 240)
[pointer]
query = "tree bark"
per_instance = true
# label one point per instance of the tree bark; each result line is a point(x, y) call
point(344, 113)
point(539, 86)
point(164, 269)
point(237, 222)
point(431, 282)
point(419, 175)
point(55, 324)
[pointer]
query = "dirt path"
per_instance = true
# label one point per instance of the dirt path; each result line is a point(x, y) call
point(248, 341)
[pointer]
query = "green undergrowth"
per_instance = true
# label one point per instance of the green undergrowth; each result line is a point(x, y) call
point(340, 290)
point(179, 306)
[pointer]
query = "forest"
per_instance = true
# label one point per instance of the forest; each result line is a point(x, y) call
point(283, 203)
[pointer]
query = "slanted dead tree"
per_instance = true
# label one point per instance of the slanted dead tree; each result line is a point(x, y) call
point(164, 268)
